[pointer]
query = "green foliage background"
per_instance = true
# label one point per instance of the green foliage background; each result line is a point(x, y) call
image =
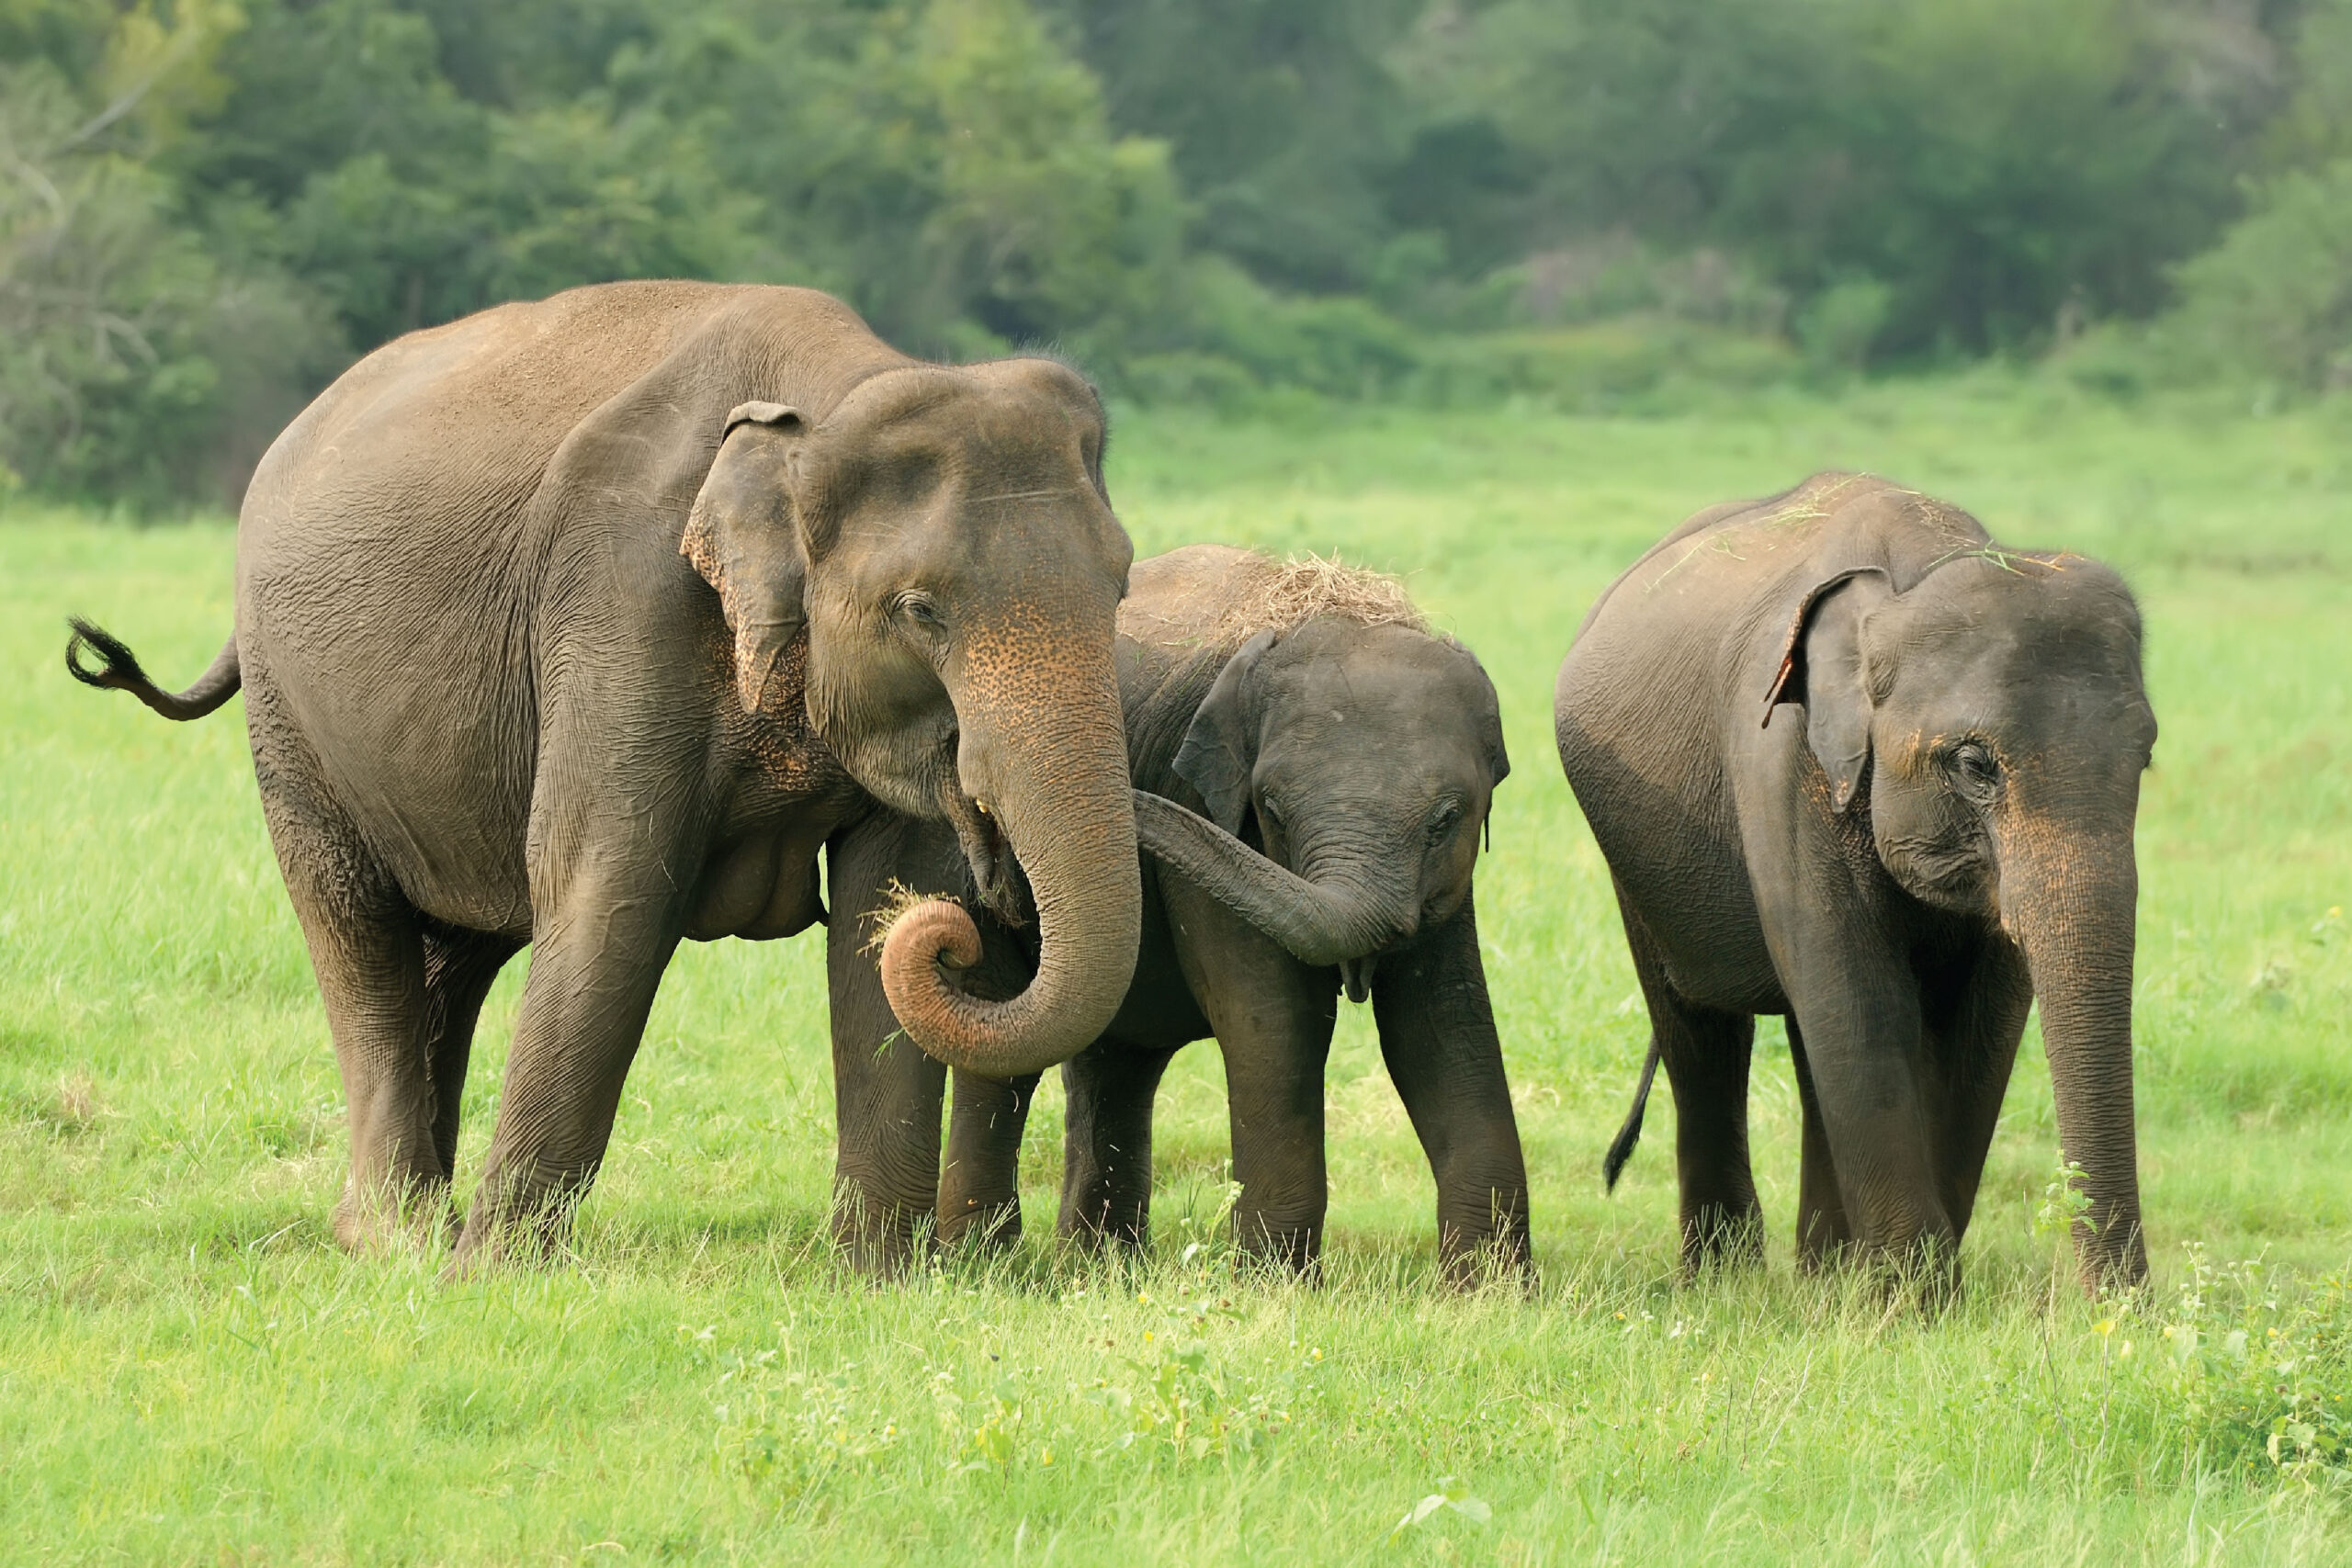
point(208, 206)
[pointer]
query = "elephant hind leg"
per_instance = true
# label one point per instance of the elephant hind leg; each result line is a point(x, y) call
point(367, 950)
point(1705, 1053)
point(1822, 1230)
point(979, 1186)
point(459, 967)
point(1106, 1169)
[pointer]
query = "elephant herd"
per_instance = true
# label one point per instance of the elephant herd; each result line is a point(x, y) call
point(588, 623)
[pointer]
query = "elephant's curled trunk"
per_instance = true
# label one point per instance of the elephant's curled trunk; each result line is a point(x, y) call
point(1317, 924)
point(1062, 800)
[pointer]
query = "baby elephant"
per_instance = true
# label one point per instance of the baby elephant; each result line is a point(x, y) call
point(1854, 764)
point(1313, 768)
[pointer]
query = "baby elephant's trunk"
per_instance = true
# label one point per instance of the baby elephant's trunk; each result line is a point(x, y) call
point(1317, 924)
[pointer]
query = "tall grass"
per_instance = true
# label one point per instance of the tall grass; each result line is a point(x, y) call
point(189, 1371)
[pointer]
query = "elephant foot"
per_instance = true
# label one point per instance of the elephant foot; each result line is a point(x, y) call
point(1923, 1273)
point(1294, 1252)
point(517, 1218)
point(386, 1217)
point(1716, 1239)
point(1498, 1262)
point(879, 1239)
point(978, 1225)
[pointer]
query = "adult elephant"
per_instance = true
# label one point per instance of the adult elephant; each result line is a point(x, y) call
point(1853, 764)
point(584, 623)
point(1313, 768)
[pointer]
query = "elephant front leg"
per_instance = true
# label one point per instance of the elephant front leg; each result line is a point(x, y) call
point(887, 1093)
point(1273, 1019)
point(1976, 1019)
point(1106, 1159)
point(1868, 1113)
point(1706, 1052)
point(980, 1187)
point(596, 962)
point(1437, 1034)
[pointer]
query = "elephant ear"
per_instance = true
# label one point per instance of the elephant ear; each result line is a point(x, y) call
point(1220, 750)
point(1490, 725)
point(744, 538)
point(1821, 667)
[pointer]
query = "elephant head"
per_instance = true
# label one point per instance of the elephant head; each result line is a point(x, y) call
point(943, 541)
point(1363, 760)
point(1990, 718)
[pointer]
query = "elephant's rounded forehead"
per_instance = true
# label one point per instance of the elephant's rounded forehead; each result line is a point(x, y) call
point(2032, 586)
point(1321, 780)
point(1385, 677)
point(2070, 609)
point(979, 405)
point(1331, 650)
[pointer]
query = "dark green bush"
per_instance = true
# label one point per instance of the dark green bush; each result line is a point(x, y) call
point(2274, 300)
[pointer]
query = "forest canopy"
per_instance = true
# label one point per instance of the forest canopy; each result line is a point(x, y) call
point(208, 206)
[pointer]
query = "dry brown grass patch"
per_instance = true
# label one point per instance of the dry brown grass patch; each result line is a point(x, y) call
point(1282, 596)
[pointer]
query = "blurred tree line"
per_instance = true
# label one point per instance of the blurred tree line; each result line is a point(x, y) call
point(208, 206)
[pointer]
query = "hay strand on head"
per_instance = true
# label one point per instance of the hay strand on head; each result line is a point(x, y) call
point(1282, 596)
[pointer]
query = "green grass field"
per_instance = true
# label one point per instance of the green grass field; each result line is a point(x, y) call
point(190, 1372)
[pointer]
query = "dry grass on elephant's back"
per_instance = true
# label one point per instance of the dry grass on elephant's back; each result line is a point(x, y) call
point(1237, 594)
point(1280, 596)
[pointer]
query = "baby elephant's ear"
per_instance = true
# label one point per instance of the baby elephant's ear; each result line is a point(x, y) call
point(1220, 750)
point(1823, 667)
point(1490, 725)
point(743, 537)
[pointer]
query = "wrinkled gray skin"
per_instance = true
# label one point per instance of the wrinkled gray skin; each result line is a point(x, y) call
point(1853, 764)
point(584, 623)
point(1360, 761)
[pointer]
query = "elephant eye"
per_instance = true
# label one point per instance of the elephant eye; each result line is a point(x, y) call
point(1973, 765)
point(918, 609)
point(1444, 819)
point(1270, 815)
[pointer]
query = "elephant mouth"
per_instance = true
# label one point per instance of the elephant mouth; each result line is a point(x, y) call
point(1355, 977)
point(986, 851)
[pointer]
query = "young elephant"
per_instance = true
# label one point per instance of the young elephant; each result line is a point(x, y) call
point(1853, 764)
point(1310, 763)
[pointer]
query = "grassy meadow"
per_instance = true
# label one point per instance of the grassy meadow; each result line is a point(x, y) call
point(190, 1372)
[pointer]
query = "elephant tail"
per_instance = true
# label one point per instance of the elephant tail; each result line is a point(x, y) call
point(1620, 1148)
point(118, 671)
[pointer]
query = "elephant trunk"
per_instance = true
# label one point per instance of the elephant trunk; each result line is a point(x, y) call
point(1317, 923)
point(1050, 766)
point(2077, 935)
